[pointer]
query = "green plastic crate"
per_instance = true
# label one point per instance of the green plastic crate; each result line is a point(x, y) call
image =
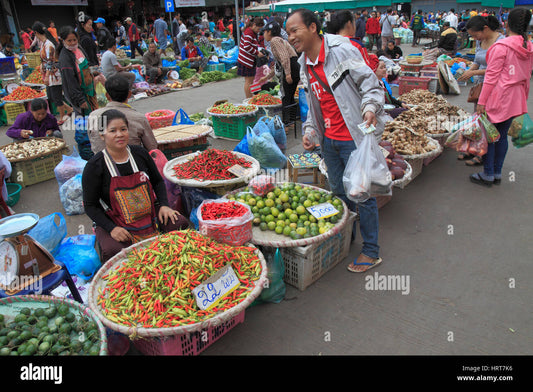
point(233, 127)
point(216, 67)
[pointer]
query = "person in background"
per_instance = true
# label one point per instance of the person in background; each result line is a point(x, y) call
point(417, 25)
point(452, 19)
point(6, 170)
point(248, 52)
point(175, 30)
point(393, 51)
point(102, 34)
point(76, 76)
point(111, 66)
point(52, 29)
point(155, 72)
point(448, 39)
point(134, 37)
point(161, 33)
point(26, 40)
point(388, 23)
point(36, 122)
point(360, 25)
point(122, 37)
point(373, 31)
point(195, 56)
point(399, 106)
point(50, 70)
point(118, 93)
point(87, 41)
point(334, 114)
point(505, 90)
point(486, 32)
point(123, 192)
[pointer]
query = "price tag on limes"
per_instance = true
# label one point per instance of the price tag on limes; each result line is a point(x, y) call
point(323, 210)
point(218, 286)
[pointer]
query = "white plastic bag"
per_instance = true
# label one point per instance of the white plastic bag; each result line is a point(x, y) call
point(367, 173)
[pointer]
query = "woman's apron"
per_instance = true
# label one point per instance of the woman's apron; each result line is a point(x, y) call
point(132, 200)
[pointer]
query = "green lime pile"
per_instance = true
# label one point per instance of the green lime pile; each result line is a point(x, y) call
point(53, 330)
point(284, 210)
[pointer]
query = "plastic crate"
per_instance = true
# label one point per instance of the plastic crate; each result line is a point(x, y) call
point(429, 72)
point(215, 67)
point(233, 127)
point(408, 83)
point(187, 344)
point(7, 66)
point(12, 110)
point(304, 265)
point(410, 68)
point(34, 59)
point(36, 170)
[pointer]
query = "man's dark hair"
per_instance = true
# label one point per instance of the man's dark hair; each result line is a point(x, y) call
point(110, 42)
point(118, 87)
point(308, 17)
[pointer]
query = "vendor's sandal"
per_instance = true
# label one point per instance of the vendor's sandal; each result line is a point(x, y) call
point(374, 262)
point(474, 161)
point(463, 155)
point(477, 179)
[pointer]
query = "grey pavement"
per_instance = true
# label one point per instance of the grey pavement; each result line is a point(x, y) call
point(466, 251)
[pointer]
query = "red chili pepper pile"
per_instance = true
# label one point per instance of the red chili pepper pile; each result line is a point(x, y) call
point(211, 164)
point(153, 288)
point(264, 99)
point(220, 210)
point(23, 93)
point(159, 113)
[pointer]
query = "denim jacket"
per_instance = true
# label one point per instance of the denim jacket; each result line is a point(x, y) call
point(354, 85)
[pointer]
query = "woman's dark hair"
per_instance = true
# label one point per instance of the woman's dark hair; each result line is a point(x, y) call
point(258, 21)
point(518, 22)
point(339, 20)
point(308, 17)
point(478, 22)
point(40, 28)
point(38, 104)
point(83, 19)
point(110, 115)
point(63, 34)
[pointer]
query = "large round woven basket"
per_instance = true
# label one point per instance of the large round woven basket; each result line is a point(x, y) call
point(98, 284)
point(169, 174)
point(9, 306)
point(253, 112)
point(272, 239)
point(436, 151)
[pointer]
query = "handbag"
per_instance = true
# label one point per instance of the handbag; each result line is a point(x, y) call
point(475, 92)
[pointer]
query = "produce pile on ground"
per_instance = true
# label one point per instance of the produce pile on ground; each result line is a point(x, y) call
point(215, 76)
point(419, 96)
point(406, 141)
point(30, 148)
point(54, 330)
point(229, 108)
point(153, 288)
point(35, 77)
point(396, 163)
point(283, 210)
point(264, 99)
point(24, 93)
point(209, 165)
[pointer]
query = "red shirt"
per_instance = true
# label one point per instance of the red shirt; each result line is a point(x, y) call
point(372, 26)
point(335, 127)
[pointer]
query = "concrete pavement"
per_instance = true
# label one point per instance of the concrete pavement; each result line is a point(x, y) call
point(465, 250)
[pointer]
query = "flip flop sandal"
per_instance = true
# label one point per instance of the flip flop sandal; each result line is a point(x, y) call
point(462, 156)
point(476, 161)
point(371, 265)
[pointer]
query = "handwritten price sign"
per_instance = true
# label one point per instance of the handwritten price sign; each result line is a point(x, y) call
point(210, 292)
point(322, 211)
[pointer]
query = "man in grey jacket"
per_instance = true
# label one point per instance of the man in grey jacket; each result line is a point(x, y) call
point(342, 92)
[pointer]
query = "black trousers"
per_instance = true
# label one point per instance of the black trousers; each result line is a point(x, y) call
point(288, 113)
point(134, 45)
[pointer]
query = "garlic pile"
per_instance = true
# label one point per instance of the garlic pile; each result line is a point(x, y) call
point(31, 148)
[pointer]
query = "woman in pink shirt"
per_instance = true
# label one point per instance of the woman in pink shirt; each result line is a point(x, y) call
point(505, 90)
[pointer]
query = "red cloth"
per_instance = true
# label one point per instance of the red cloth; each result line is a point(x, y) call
point(334, 122)
point(372, 26)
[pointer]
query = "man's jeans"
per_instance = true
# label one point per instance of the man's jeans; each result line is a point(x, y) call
point(336, 154)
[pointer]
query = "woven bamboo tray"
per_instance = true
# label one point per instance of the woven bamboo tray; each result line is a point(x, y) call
point(272, 239)
point(10, 306)
point(169, 173)
point(181, 133)
point(116, 261)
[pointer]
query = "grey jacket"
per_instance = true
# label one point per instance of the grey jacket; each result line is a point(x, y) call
point(354, 85)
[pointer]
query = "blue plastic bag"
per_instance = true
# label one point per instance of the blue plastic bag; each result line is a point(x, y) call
point(264, 148)
point(277, 129)
point(302, 101)
point(138, 76)
point(242, 147)
point(48, 233)
point(184, 118)
point(79, 255)
point(168, 64)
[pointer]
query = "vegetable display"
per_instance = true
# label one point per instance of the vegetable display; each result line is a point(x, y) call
point(186, 73)
point(35, 77)
point(229, 108)
point(30, 148)
point(153, 288)
point(211, 164)
point(284, 210)
point(406, 141)
point(230, 209)
point(214, 76)
point(54, 330)
point(24, 93)
point(264, 99)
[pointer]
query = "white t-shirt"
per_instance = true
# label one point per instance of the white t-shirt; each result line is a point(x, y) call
point(108, 62)
point(387, 23)
point(452, 18)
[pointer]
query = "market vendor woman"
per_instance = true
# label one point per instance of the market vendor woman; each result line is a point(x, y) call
point(123, 191)
point(36, 122)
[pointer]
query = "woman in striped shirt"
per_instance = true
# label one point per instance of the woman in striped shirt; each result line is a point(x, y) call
point(248, 52)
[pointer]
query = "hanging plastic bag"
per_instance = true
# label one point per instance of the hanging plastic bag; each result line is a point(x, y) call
point(69, 166)
point(71, 196)
point(264, 148)
point(453, 140)
point(275, 289)
point(470, 128)
point(79, 255)
point(262, 184)
point(50, 231)
point(367, 173)
point(521, 131)
point(277, 129)
point(243, 147)
point(302, 102)
point(479, 147)
point(490, 129)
